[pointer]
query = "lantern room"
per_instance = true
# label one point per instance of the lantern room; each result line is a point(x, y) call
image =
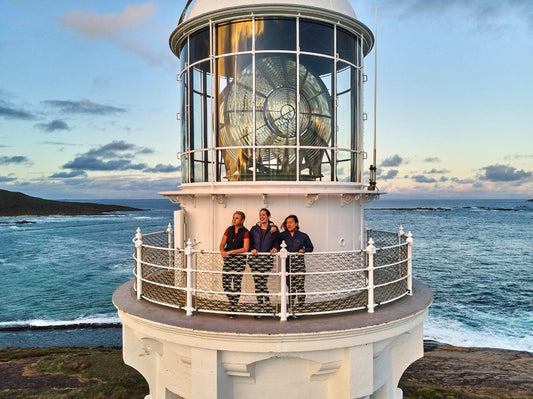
point(271, 93)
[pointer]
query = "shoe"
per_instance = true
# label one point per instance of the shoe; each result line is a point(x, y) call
point(258, 316)
point(232, 316)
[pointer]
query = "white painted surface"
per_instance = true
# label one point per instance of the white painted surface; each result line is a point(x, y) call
point(200, 7)
point(355, 363)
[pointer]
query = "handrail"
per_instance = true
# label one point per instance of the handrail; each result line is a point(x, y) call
point(324, 282)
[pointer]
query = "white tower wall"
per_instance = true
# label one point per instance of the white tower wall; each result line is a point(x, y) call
point(333, 221)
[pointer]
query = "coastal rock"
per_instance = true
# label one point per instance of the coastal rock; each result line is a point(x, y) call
point(470, 373)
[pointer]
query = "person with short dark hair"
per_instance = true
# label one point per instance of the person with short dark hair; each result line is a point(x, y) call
point(297, 244)
point(235, 241)
point(263, 238)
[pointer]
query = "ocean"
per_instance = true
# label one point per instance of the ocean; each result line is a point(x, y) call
point(59, 272)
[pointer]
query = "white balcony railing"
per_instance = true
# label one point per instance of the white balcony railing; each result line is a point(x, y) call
point(286, 284)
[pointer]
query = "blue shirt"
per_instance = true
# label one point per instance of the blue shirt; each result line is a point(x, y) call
point(297, 241)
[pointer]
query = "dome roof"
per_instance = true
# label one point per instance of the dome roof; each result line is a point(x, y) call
point(200, 7)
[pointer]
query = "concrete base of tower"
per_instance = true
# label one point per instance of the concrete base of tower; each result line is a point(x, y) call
point(351, 355)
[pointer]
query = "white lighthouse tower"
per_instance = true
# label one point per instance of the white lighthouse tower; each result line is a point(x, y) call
point(272, 117)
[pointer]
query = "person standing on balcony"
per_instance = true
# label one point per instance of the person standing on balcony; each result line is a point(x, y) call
point(235, 241)
point(297, 242)
point(263, 238)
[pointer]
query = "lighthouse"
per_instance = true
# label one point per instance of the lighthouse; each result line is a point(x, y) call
point(271, 118)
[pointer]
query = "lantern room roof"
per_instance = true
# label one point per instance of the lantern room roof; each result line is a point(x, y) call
point(200, 7)
point(198, 13)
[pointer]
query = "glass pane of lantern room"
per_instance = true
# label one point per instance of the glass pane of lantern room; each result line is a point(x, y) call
point(185, 177)
point(200, 124)
point(347, 112)
point(346, 166)
point(276, 164)
point(199, 45)
point(233, 37)
point(316, 114)
point(275, 34)
point(275, 79)
point(346, 46)
point(235, 115)
point(316, 37)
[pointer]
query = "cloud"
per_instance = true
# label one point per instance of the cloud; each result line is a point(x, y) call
point(160, 168)
point(443, 179)
point(482, 15)
point(432, 160)
point(18, 159)
point(391, 174)
point(423, 179)
point(114, 27)
point(518, 156)
point(6, 179)
point(56, 124)
point(84, 107)
point(114, 149)
point(504, 173)
point(462, 181)
point(92, 163)
point(392, 161)
point(113, 156)
point(12, 113)
point(68, 175)
point(436, 171)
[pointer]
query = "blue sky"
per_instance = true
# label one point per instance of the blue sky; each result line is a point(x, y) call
point(88, 98)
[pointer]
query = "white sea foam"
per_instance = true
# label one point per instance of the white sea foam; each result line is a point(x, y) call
point(454, 332)
point(97, 319)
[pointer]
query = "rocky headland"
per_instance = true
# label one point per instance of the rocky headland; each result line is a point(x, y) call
point(18, 204)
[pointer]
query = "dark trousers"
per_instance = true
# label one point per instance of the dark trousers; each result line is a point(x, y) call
point(296, 264)
point(232, 278)
point(261, 264)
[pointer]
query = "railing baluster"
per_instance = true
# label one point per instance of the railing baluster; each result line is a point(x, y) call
point(370, 250)
point(138, 240)
point(409, 264)
point(283, 254)
point(188, 254)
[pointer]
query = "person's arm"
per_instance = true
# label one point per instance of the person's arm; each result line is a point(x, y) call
point(308, 245)
point(275, 239)
point(253, 248)
point(243, 249)
point(223, 244)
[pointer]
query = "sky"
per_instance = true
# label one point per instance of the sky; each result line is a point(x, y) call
point(88, 98)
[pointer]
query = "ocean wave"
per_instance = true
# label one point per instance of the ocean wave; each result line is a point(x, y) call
point(417, 208)
point(96, 321)
point(456, 333)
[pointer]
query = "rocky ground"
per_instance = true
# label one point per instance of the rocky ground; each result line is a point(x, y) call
point(445, 372)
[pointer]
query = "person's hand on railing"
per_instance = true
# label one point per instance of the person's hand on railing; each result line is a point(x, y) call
point(226, 253)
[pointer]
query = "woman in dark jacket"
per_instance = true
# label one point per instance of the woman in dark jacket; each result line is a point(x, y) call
point(235, 241)
point(263, 238)
point(298, 242)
